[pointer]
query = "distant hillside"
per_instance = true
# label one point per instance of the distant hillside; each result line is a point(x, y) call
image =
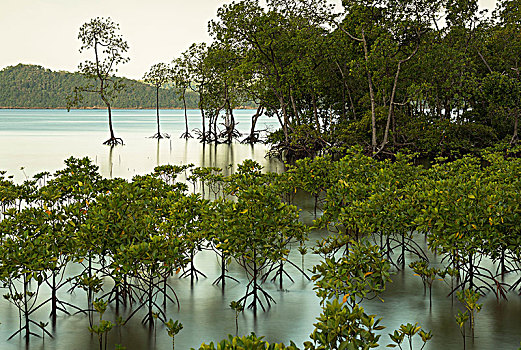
point(30, 86)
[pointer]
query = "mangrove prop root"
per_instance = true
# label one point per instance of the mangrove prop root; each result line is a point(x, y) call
point(114, 141)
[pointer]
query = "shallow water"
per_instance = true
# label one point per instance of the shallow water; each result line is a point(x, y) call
point(39, 140)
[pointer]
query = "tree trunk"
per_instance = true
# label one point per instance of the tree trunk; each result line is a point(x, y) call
point(471, 271)
point(230, 128)
point(150, 313)
point(285, 119)
point(223, 269)
point(393, 94)
point(403, 251)
point(281, 271)
point(118, 295)
point(391, 107)
point(157, 112)
point(202, 117)
point(110, 121)
point(192, 268)
point(315, 113)
point(252, 139)
point(26, 312)
point(503, 267)
point(371, 94)
point(186, 115)
point(54, 306)
point(294, 106)
point(254, 283)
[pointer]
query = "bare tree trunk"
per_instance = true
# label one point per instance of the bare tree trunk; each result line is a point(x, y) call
point(371, 94)
point(285, 119)
point(252, 138)
point(203, 117)
point(157, 113)
point(54, 304)
point(26, 311)
point(393, 94)
point(315, 112)
point(295, 111)
point(187, 134)
point(111, 129)
point(231, 127)
point(391, 108)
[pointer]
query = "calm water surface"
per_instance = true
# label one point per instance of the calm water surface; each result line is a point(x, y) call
point(39, 140)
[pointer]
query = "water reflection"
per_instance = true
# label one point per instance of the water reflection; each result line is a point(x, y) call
point(157, 152)
point(111, 163)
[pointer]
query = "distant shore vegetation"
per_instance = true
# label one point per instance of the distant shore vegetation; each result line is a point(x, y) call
point(33, 86)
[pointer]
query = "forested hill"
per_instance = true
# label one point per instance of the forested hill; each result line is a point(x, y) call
point(31, 86)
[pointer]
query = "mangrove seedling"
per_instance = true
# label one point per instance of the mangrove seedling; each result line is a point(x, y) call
point(238, 308)
point(409, 331)
point(461, 319)
point(303, 250)
point(42, 326)
point(469, 298)
point(428, 275)
point(173, 328)
point(104, 326)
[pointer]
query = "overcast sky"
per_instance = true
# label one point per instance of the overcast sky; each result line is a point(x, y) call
point(44, 32)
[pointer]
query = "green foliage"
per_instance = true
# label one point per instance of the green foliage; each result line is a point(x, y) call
point(409, 331)
point(260, 226)
point(428, 274)
point(103, 327)
point(387, 80)
point(238, 308)
point(158, 76)
point(250, 342)
point(342, 327)
point(173, 327)
point(137, 234)
point(461, 319)
point(469, 298)
point(101, 36)
point(361, 273)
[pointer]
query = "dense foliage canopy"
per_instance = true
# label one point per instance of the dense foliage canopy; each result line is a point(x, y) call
point(436, 77)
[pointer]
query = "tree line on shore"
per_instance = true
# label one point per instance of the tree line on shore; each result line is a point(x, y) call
point(31, 86)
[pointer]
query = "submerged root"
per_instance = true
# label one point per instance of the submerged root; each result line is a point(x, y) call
point(114, 141)
point(160, 136)
point(186, 135)
point(252, 138)
point(229, 134)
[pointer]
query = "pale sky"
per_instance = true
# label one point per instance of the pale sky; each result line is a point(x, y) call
point(45, 32)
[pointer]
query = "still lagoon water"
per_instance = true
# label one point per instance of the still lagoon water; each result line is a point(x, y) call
point(32, 141)
point(40, 140)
